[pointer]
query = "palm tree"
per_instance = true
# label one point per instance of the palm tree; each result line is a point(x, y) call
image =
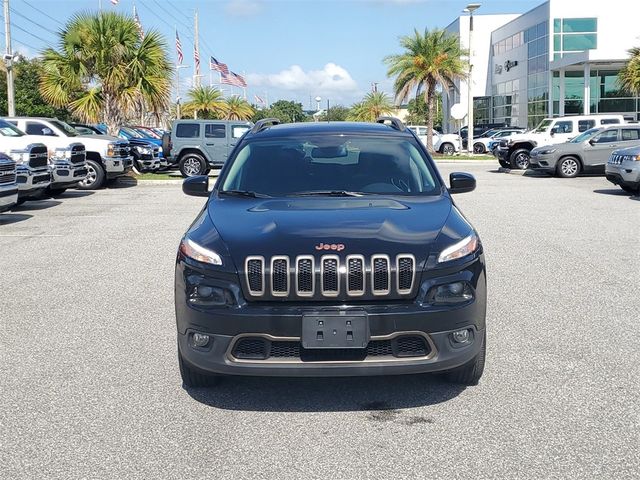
point(237, 108)
point(430, 59)
point(629, 76)
point(208, 100)
point(372, 106)
point(104, 69)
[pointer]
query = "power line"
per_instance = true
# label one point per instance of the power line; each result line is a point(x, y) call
point(162, 19)
point(178, 10)
point(44, 13)
point(14, 40)
point(29, 20)
point(170, 14)
point(29, 33)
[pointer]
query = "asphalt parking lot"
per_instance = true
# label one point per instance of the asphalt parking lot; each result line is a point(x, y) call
point(90, 386)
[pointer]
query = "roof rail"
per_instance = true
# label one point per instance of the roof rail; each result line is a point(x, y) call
point(264, 123)
point(395, 123)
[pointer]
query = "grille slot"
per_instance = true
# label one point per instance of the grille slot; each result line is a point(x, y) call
point(78, 154)
point(355, 275)
point(254, 268)
point(405, 270)
point(305, 273)
point(280, 276)
point(381, 279)
point(7, 172)
point(330, 273)
point(411, 346)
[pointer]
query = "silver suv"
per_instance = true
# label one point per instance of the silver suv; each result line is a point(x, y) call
point(199, 145)
point(586, 153)
point(623, 169)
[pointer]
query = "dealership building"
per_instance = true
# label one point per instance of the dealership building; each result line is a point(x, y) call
point(560, 58)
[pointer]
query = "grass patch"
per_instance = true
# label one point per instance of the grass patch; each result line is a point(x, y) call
point(154, 176)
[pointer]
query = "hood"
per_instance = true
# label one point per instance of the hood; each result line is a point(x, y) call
point(303, 226)
point(108, 138)
point(628, 151)
point(141, 142)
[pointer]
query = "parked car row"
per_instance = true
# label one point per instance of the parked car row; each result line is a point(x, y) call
point(570, 146)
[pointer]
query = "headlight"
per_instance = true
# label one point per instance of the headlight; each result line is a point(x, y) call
point(144, 150)
point(19, 156)
point(111, 150)
point(198, 253)
point(461, 249)
point(547, 151)
point(61, 153)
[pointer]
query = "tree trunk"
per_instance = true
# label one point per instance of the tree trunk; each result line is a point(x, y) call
point(430, 94)
point(112, 114)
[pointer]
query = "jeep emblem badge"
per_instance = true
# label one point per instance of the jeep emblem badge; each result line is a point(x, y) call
point(338, 247)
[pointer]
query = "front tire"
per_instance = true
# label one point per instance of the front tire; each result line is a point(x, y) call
point(520, 159)
point(568, 167)
point(504, 164)
point(192, 165)
point(479, 148)
point(447, 149)
point(95, 176)
point(469, 374)
point(192, 378)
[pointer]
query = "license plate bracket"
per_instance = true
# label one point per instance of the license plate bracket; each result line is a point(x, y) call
point(335, 331)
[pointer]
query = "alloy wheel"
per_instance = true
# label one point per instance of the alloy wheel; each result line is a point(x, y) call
point(192, 167)
point(522, 161)
point(91, 177)
point(569, 167)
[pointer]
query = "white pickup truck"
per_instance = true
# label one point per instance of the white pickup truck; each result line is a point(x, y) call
point(66, 159)
point(107, 157)
point(445, 143)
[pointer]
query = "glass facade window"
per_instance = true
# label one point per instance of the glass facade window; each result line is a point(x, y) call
point(509, 43)
point(574, 35)
point(537, 38)
point(505, 102)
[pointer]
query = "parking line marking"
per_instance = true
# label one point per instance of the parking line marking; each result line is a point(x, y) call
point(31, 235)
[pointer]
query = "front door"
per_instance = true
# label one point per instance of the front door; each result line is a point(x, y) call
point(215, 142)
point(598, 150)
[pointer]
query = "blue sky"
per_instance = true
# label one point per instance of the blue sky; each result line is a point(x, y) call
point(286, 49)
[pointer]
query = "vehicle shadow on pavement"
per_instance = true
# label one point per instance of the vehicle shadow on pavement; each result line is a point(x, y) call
point(127, 182)
point(36, 205)
point(75, 194)
point(617, 192)
point(341, 394)
point(9, 218)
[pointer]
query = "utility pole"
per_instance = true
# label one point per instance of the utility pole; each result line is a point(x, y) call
point(8, 60)
point(196, 64)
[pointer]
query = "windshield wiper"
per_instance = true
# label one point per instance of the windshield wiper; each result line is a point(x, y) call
point(327, 193)
point(243, 193)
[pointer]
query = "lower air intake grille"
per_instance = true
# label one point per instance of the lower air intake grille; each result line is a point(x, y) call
point(412, 346)
point(253, 348)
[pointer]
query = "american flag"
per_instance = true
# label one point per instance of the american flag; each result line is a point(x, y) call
point(259, 99)
point(196, 58)
point(136, 19)
point(179, 49)
point(218, 66)
point(231, 79)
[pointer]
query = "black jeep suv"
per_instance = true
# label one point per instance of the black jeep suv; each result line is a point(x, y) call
point(330, 249)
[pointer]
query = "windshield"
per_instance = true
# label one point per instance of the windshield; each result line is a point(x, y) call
point(543, 126)
point(341, 165)
point(147, 133)
point(130, 133)
point(584, 136)
point(67, 129)
point(8, 130)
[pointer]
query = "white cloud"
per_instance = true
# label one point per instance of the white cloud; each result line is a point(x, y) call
point(332, 79)
point(243, 8)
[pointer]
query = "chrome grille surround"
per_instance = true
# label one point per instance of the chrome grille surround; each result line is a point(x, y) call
point(305, 275)
point(254, 273)
point(330, 275)
point(356, 275)
point(380, 274)
point(280, 276)
point(405, 273)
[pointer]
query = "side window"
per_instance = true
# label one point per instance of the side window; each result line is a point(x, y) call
point(238, 130)
point(563, 127)
point(188, 130)
point(584, 125)
point(215, 130)
point(607, 136)
point(609, 121)
point(33, 128)
point(12, 122)
point(630, 134)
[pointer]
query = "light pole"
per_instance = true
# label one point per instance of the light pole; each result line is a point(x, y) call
point(178, 67)
point(470, 9)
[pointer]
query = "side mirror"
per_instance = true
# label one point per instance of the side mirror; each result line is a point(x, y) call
point(461, 182)
point(592, 142)
point(196, 186)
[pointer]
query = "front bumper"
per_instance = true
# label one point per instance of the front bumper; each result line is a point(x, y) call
point(543, 162)
point(8, 196)
point(32, 181)
point(117, 166)
point(282, 322)
point(65, 174)
point(149, 163)
point(626, 174)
